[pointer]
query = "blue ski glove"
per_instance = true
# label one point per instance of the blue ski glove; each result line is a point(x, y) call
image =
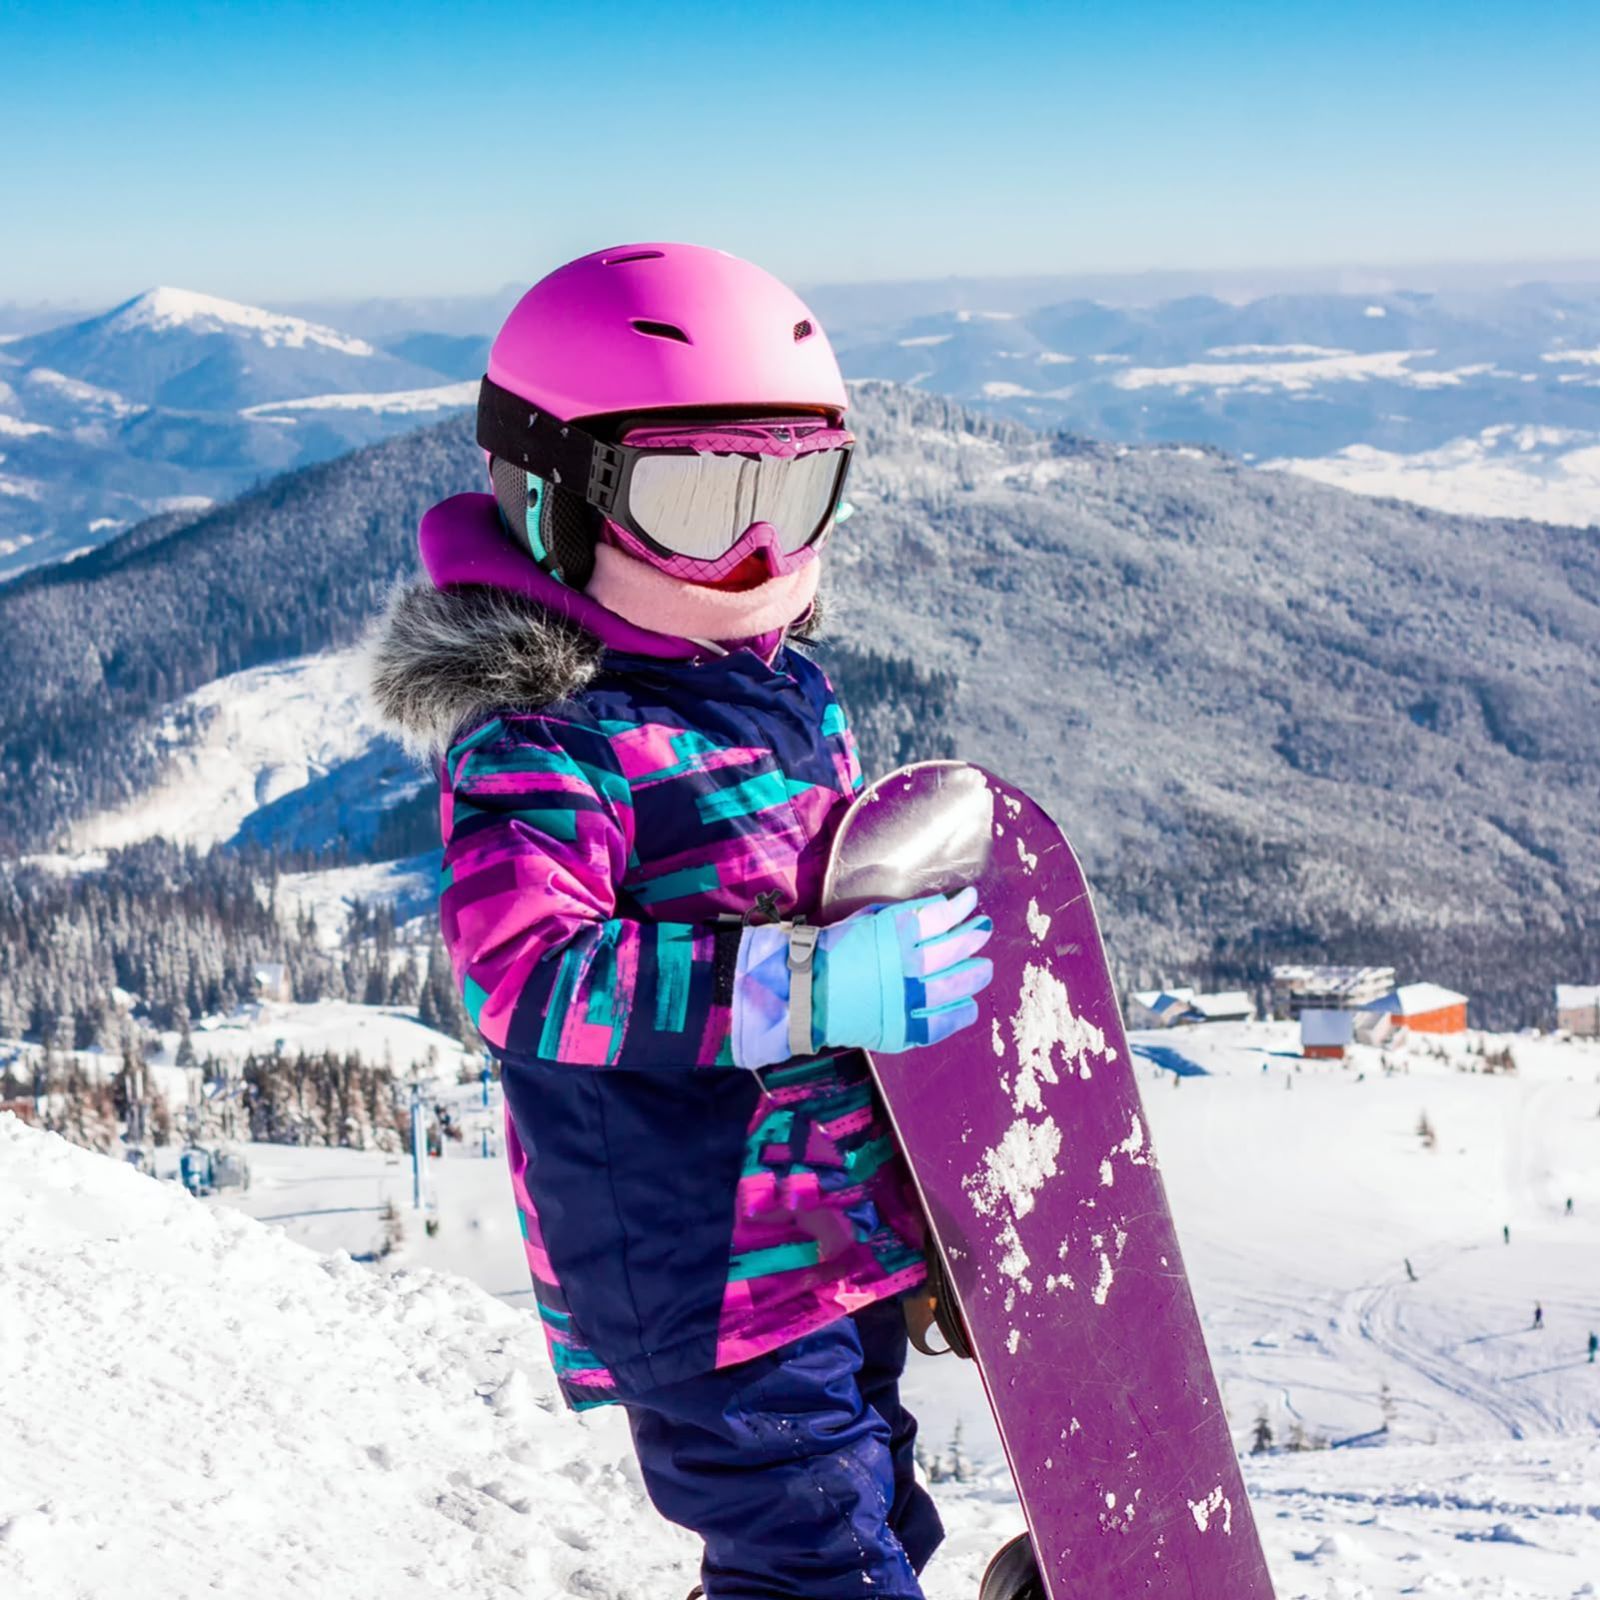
point(890, 978)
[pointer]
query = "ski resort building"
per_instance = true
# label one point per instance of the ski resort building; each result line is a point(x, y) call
point(1326, 1033)
point(1301, 988)
point(272, 981)
point(1158, 1008)
point(1424, 1008)
point(1230, 1005)
point(1163, 1008)
point(1578, 1009)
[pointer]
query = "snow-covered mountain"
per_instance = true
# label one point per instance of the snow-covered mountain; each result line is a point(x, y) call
point(1274, 717)
point(1485, 402)
point(1479, 400)
point(175, 400)
point(194, 352)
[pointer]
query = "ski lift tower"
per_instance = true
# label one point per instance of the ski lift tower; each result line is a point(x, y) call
point(419, 1149)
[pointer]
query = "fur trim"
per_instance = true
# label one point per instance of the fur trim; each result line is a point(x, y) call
point(440, 659)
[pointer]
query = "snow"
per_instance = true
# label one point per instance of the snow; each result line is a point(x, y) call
point(161, 309)
point(379, 1034)
point(1044, 1023)
point(1225, 1003)
point(1570, 995)
point(1234, 352)
point(410, 886)
point(196, 1404)
point(1416, 999)
point(396, 402)
point(1547, 474)
point(16, 428)
point(241, 742)
point(85, 394)
point(1297, 375)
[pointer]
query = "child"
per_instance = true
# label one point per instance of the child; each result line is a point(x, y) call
point(640, 778)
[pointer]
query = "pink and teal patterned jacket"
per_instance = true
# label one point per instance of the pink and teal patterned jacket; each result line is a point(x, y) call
point(609, 816)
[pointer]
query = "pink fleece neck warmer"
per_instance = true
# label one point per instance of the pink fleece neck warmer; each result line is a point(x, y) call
point(638, 593)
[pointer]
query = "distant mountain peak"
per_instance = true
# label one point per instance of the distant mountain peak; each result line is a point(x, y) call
point(164, 308)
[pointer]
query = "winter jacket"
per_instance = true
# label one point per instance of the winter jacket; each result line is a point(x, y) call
point(609, 817)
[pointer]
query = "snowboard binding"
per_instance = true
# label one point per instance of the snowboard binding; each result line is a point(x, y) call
point(1013, 1574)
point(934, 1306)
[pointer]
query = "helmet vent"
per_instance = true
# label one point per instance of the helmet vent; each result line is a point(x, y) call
point(660, 330)
point(803, 330)
point(632, 255)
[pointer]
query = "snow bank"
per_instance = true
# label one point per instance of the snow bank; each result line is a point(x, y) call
point(195, 1406)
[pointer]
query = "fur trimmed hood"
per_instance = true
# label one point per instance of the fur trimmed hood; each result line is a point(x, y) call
point(441, 658)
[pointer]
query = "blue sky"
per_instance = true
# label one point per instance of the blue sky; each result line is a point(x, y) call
point(279, 151)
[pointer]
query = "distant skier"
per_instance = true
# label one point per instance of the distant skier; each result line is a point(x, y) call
point(1569, 1205)
point(1594, 1345)
point(1411, 1271)
point(1538, 1317)
point(640, 779)
point(1506, 1232)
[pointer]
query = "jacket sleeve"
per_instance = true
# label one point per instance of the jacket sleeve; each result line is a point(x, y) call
point(538, 825)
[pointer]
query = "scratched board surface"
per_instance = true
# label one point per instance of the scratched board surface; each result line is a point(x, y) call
point(1030, 1148)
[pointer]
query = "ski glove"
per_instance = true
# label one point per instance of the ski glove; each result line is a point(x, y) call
point(888, 978)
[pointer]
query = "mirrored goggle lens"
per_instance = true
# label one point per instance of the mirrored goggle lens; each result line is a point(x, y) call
point(699, 505)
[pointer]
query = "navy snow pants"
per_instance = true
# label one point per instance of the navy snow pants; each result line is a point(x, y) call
point(795, 1467)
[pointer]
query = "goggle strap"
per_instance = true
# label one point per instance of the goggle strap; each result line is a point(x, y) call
point(560, 452)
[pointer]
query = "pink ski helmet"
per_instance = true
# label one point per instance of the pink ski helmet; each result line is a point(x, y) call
point(678, 329)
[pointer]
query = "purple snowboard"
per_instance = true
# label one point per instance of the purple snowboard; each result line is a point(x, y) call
point(1030, 1148)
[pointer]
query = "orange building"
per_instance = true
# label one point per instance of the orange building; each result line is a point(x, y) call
point(1424, 1008)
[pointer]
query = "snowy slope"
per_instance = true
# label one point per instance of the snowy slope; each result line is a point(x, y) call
point(1301, 1190)
point(194, 1405)
point(393, 402)
point(217, 1409)
point(287, 732)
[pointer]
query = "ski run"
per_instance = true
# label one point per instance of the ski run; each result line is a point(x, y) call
point(214, 1397)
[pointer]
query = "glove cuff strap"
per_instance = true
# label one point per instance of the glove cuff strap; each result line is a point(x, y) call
point(802, 974)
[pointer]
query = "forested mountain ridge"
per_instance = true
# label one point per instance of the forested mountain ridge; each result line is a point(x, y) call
point(1274, 717)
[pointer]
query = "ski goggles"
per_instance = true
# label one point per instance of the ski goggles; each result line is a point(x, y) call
point(689, 492)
